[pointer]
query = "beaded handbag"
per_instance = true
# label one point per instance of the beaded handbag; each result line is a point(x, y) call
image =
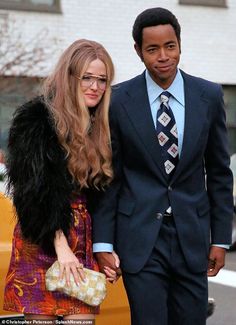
point(92, 291)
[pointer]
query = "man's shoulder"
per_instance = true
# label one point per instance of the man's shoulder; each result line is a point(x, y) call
point(199, 81)
point(127, 85)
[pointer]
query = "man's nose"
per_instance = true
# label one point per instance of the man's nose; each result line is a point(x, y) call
point(163, 55)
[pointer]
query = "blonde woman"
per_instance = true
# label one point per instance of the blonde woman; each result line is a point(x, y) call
point(59, 149)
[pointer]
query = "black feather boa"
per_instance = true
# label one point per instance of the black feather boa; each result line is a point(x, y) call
point(38, 178)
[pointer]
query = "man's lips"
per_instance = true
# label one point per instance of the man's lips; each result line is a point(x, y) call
point(164, 68)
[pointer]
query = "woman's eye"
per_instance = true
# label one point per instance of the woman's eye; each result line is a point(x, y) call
point(86, 78)
point(103, 80)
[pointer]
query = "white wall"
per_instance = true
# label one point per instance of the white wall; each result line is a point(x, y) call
point(208, 33)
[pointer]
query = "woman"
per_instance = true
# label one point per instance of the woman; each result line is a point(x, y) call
point(59, 148)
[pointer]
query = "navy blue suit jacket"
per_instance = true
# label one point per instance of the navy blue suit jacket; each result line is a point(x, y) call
point(129, 214)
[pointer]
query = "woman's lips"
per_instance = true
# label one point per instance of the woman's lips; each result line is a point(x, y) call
point(93, 96)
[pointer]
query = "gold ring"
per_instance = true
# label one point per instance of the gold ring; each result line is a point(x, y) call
point(80, 266)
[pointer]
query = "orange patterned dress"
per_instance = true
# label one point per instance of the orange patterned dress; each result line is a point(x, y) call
point(25, 290)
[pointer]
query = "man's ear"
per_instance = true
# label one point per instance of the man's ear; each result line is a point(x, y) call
point(138, 51)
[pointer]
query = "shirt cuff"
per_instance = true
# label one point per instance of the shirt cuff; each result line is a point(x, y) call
point(222, 246)
point(102, 247)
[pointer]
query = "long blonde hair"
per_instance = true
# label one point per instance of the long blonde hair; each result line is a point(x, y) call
point(87, 146)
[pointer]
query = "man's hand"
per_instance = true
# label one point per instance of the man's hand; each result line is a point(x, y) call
point(216, 260)
point(110, 260)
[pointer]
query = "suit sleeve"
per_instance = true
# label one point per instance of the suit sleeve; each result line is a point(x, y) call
point(219, 175)
point(38, 179)
point(104, 215)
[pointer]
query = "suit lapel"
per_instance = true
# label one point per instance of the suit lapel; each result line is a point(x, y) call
point(138, 109)
point(195, 115)
point(139, 112)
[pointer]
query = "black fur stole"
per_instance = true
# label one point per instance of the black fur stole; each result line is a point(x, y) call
point(38, 178)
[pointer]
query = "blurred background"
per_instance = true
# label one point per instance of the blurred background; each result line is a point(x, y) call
point(33, 33)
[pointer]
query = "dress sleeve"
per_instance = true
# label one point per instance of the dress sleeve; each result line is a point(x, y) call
point(38, 179)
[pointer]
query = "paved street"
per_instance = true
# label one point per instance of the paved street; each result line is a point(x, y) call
point(224, 293)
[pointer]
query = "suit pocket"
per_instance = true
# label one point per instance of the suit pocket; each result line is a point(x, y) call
point(126, 206)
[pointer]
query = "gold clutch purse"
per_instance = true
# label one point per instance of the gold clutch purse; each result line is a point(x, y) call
point(92, 291)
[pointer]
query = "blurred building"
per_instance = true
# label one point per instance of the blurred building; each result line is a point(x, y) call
point(34, 32)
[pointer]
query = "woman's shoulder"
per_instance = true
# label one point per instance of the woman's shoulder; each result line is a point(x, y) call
point(32, 119)
point(33, 114)
point(33, 108)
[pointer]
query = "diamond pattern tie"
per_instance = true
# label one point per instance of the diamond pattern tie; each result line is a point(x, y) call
point(167, 134)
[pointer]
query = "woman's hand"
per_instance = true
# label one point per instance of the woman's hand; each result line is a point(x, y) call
point(113, 275)
point(67, 260)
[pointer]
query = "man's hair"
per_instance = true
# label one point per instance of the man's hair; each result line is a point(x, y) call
point(154, 17)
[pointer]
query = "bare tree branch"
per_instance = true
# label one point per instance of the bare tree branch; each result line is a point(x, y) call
point(19, 56)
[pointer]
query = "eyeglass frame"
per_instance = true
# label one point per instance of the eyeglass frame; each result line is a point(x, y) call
point(96, 79)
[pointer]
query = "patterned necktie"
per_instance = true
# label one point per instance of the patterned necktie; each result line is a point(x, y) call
point(167, 134)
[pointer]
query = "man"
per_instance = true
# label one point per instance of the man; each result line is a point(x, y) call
point(168, 213)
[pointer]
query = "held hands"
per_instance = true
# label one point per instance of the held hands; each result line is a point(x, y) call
point(67, 260)
point(109, 264)
point(216, 260)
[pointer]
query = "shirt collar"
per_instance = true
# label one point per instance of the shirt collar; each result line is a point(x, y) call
point(176, 89)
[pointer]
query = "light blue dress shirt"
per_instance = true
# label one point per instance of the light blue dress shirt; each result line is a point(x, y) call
point(177, 104)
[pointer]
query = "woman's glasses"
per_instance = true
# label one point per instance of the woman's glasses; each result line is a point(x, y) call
point(87, 81)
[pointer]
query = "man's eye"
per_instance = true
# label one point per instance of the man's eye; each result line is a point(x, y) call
point(151, 50)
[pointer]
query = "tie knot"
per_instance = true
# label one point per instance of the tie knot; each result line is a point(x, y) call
point(165, 95)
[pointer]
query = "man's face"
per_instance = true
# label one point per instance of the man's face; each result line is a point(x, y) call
point(160, 53)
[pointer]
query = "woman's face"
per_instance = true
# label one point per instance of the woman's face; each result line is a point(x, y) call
point(93, 83)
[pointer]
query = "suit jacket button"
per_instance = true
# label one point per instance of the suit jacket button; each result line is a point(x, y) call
point(169, 188)
point(159, 215)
